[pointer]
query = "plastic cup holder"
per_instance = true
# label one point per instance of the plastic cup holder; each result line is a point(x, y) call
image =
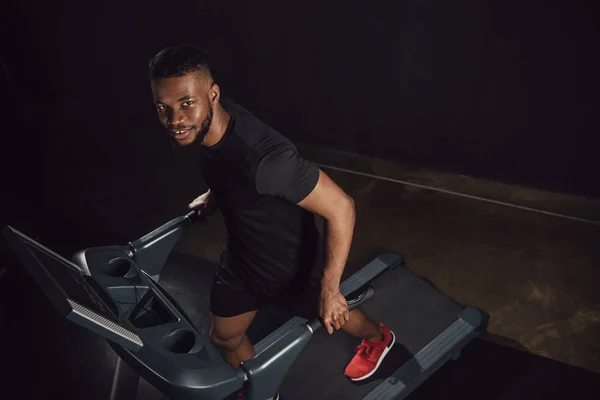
point(120, 268)
point(179, 341)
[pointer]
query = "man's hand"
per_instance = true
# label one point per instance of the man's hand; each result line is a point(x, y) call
point(332, 203)
point(203, 204)
point(333, 309)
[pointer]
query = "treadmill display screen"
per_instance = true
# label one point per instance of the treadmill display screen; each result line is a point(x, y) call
point(73, 282)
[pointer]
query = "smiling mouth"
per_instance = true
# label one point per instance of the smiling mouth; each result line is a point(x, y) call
point(180, 134)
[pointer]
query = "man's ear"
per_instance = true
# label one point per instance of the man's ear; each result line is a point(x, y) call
point(214, 93)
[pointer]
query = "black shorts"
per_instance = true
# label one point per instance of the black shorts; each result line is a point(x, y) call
point(231, 296)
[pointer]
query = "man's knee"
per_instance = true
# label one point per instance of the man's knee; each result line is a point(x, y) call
point(227, 336)
point(228, 341)
point(228, 333)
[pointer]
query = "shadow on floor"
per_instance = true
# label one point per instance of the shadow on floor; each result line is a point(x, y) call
point(491, 371)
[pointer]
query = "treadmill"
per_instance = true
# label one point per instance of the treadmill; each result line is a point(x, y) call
point(114, 291)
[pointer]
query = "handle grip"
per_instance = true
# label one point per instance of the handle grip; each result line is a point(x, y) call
point(192, 216)
point(354, 300)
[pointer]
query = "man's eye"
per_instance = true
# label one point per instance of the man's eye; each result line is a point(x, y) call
point(188, 103)
point(160, 108)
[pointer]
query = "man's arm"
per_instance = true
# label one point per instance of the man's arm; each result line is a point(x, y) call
point(282, 172)
point(332, 203)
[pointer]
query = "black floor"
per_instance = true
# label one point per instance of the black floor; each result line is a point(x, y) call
point(494, 372)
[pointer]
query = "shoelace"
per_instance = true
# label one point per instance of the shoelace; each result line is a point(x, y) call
point(364, 349)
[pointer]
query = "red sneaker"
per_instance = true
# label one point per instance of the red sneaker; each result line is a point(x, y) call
point(369, 356)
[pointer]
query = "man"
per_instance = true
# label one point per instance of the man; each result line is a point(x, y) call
point(267, 195)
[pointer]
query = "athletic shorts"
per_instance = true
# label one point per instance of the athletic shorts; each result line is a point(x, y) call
point(231, 296)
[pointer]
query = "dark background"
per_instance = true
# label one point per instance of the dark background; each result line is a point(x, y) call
point(506, 90)
point(503, 90)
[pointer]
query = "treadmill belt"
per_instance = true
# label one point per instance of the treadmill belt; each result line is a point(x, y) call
point(415, 311)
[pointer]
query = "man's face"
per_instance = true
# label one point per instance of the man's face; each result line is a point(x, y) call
point(183, 107)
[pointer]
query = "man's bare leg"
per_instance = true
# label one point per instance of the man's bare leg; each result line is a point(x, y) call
point(229, 336)
point(360, 325)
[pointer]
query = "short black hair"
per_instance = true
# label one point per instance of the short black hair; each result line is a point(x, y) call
point(178, 61)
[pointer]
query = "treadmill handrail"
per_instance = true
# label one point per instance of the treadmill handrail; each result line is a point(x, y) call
point(365, 275)
point(291, 338)
point(152, 250)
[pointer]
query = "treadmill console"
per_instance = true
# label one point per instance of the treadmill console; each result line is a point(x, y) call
point(72, 291)
point(105, 291)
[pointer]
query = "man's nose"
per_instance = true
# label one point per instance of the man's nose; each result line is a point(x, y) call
point(175, 118)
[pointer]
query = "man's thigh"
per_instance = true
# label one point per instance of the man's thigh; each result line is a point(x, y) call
point(230, 328)
point(232, 308)
point(229, 298)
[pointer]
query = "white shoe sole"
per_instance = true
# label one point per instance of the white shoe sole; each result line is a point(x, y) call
point(385, 352)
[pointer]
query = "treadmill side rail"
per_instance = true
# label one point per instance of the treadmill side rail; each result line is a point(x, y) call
point(446, 346)
point(279, 350)
point(268, 368)
point(372, 270)
point(366, 274)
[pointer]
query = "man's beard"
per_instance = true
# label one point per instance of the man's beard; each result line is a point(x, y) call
point(200, 135)
point(205, 125)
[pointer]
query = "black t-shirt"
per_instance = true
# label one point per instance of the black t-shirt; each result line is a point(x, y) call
point(257, 178)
